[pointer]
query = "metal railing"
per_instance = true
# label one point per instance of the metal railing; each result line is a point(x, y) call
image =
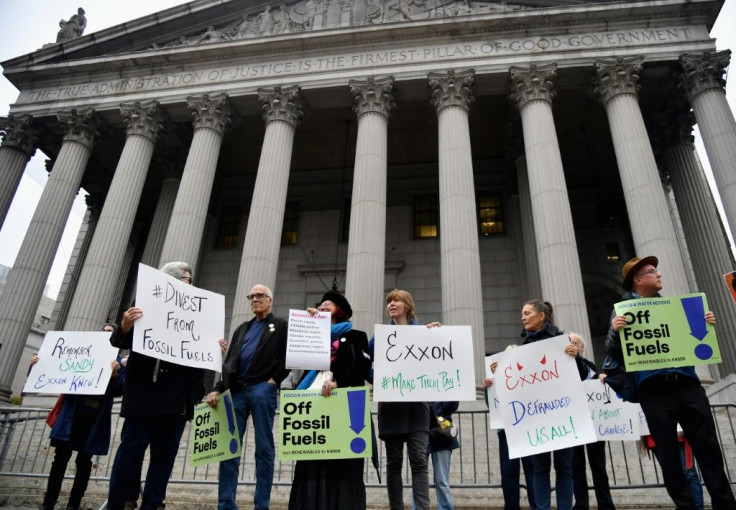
point(25, 452)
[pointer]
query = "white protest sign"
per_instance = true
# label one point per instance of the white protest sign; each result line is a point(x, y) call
point(643, 425)
point(181, 323)
point(308, 340)
point(494, 412)
point(613, 418)
point(420, 364)
point(73, 362)
point(542, 399)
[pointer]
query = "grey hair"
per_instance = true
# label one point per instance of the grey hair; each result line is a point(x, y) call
point(177, 269)
point(268, 291)
point(582, 340)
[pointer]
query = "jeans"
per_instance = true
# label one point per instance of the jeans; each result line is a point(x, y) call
point(563, 479)
point(510, 471)
point(63, 452)
point(693, 478)
point(416, 446)
point(441, 469)
point(162, 434)
point(259, 402)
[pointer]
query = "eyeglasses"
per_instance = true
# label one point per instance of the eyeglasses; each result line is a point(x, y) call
point(651, 271)
point(251, 297)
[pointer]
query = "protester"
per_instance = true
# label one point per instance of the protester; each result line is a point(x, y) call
point(596, 454)
point(334, 484)
point(82, 425)
point(511, 468)
point(538, 325)
point(252, 371)
point(407, 423)
point(671, 395)
point(688, 465)
point(158, 400)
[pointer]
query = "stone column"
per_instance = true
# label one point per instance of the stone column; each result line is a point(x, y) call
point(561, 280)
point(26, 281)
point(649, 217)
point(212, 116)
point(164, 208)
point(364, 282)
point(282, 112)
point(96, 287)
point(18, 147)
point(462, 297)
point(707, 244)
point(705, 87)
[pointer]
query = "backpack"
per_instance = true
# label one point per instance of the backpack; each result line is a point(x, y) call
point(621, 381)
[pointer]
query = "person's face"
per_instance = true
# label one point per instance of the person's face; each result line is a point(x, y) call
point(648, 281)
point(108, 329)
point(260, 303)
point(186, 277)
point(532, 319)
point(578, 343)
point(396, 309)
point(328, 306)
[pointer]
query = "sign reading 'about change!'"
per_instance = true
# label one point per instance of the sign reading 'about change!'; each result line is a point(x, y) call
point(420, 364)
point(181, 323)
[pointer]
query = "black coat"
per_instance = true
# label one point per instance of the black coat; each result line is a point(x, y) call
point(153, 386)
point(352, 361)
point(268, 360)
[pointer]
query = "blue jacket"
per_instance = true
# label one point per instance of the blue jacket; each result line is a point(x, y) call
point(98, 437)
point(613, 349)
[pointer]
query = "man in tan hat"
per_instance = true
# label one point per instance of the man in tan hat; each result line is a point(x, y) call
point(670, 396)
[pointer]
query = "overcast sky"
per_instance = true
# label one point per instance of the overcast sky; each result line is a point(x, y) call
point(26, 25)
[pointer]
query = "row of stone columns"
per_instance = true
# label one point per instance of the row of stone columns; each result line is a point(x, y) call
point(559, 268)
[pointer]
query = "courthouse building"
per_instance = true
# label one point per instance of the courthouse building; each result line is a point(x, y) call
point(478, 154)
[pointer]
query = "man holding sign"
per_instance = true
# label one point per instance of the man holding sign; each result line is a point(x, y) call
point(669, 396)
point(252, 371)
point(158, 400)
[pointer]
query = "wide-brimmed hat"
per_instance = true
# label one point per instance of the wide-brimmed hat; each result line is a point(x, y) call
point(339, 300)
point(632, 267)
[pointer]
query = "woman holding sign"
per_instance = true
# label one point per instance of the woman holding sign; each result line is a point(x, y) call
point(536, 317)
point(405, 422)
point(335, 483)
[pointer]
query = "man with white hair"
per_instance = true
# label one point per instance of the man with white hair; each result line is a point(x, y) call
point(253, 370)
point(596, 454)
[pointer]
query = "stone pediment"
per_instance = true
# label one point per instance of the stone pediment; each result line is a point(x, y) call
point(203, 22)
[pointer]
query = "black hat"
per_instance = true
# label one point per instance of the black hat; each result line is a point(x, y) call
point(339, 300)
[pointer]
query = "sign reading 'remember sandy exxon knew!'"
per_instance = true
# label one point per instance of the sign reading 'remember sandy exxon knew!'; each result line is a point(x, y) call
point(181, 323)
point(667, 332)
point(72, 362)
point(421, 364)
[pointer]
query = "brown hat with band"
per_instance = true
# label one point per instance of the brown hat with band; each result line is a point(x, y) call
point(632, 267)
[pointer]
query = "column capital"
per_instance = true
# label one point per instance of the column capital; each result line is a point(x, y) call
point(674, 127)
point(373, 95)
point(282, 103)
point(453, 88)
point(533, 83)
point(703, 71)
point(19, 133)
point(94, 202)
point(615, 76)
point(80, 125)
point(211, 111)
point(143, 118)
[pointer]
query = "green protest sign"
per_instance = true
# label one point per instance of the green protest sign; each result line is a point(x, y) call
point(315, 427)
point(667, 332)
point(215, 432)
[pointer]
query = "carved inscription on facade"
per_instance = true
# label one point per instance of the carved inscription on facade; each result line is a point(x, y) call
point(448, 53)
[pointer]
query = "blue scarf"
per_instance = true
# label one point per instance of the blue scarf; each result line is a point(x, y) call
point(336, 331)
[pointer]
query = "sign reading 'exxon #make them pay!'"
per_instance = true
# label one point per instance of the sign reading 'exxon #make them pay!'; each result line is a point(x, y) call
point(420, 364)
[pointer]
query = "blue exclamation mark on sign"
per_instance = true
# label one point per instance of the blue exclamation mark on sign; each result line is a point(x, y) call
point(695, 313)
point(230, 422)
point(356, 408)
